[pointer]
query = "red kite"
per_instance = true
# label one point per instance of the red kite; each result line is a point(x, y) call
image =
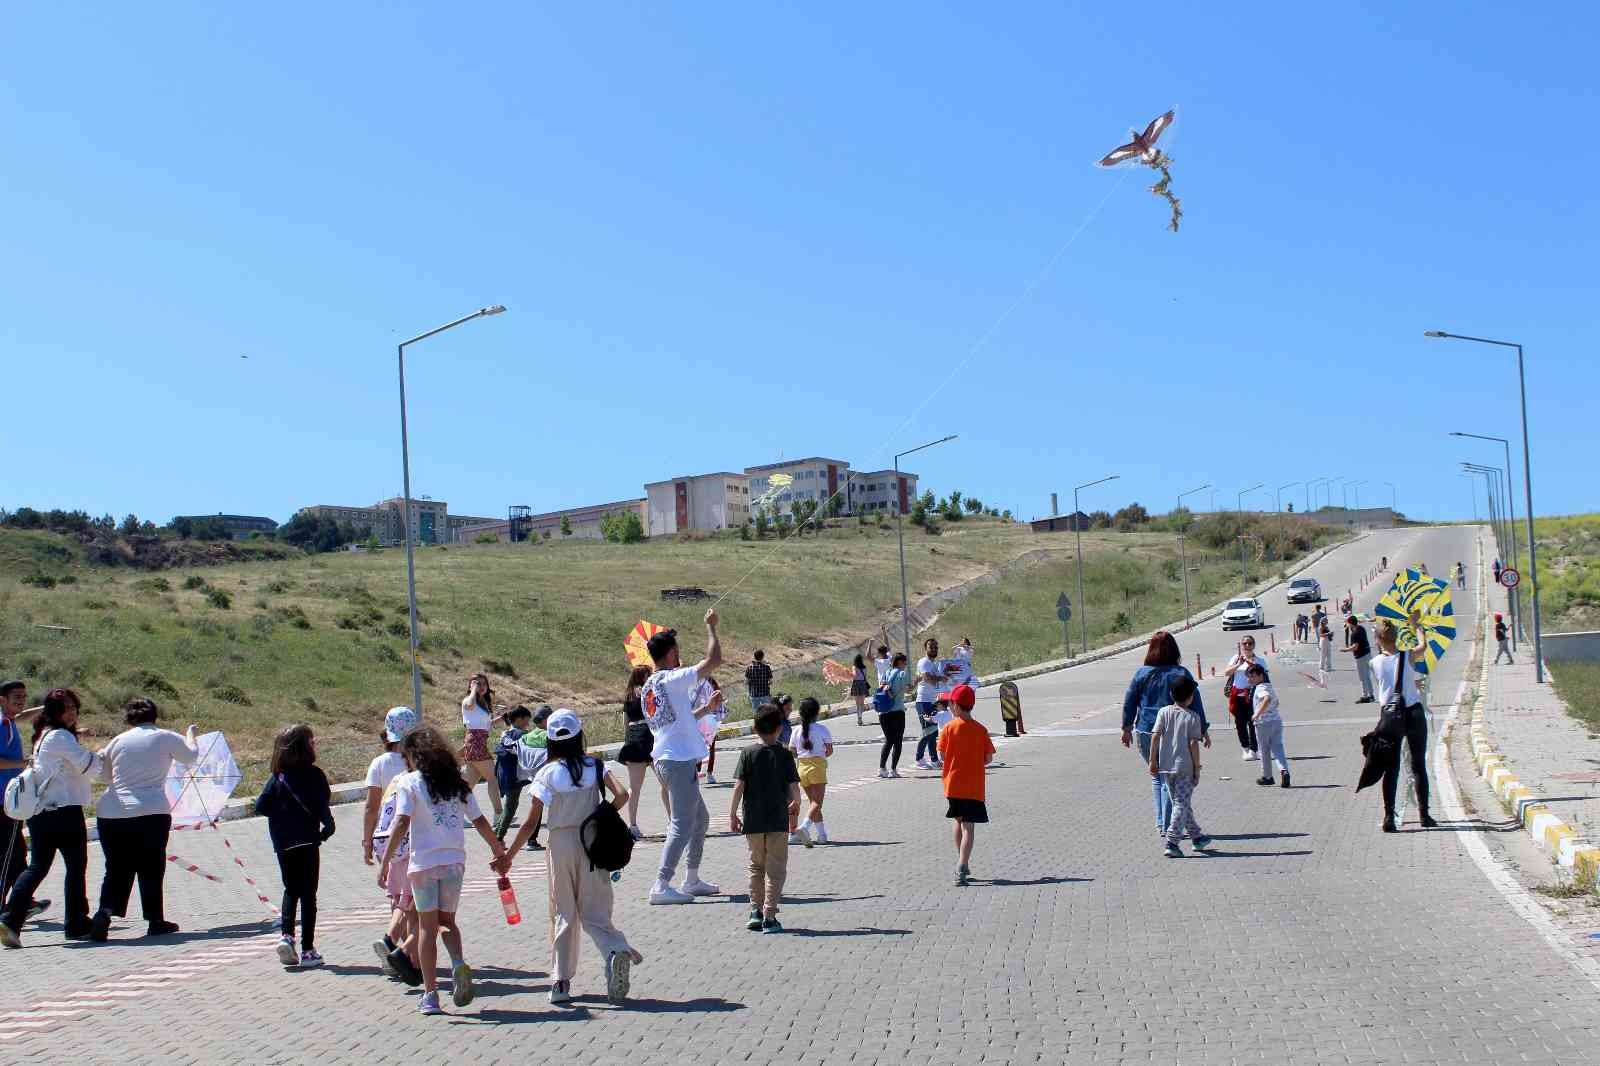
point(634, 646)
point(1142, 150)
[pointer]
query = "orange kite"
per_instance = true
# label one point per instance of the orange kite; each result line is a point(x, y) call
point(635, 646)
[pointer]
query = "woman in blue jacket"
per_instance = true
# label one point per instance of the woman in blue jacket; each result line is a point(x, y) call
point(295, 801)
point(1147, 694)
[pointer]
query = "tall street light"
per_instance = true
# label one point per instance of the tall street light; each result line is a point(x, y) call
point(905, 610)
point(405, 519)
point(1310, 487)
point(1505, 529)
point(1182, 551)
point(1392, 497)
point(1239, 506)
point(1527, 491)
point(1290, 485)
point(1077, 525)
point(1511, 505)
point(1357, 486)
point(1472, 493)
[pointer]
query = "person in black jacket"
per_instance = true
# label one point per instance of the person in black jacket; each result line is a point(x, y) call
point(295, 802)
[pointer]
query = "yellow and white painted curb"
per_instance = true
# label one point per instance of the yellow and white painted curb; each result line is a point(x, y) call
point(1563, 843)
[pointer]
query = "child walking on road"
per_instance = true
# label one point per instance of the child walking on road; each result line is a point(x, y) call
point(295, 804)
point(1269, 727)
point(566, 791)
point(965, 749)
point(505, 767)
point(767, 785)
point(813, 747)
point(433, 807)
point(1175, 758)
point(397, 949)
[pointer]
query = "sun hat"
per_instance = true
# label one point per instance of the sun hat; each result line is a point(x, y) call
point(563, 725)
point(398, 722)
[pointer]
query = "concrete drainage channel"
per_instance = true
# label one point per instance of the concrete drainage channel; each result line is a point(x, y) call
point(356, 792)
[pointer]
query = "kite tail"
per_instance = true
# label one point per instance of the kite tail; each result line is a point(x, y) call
point(1163, 188)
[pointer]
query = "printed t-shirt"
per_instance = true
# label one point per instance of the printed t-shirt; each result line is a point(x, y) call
point(382, 773)
point(1265, 699)
point(965, 747)
point(883, 666)
point(767, 771)
point(438, 830)
point(1177, 727)
point(473, 716)
point(927, 693)
point(668, 699)
point(820, 739)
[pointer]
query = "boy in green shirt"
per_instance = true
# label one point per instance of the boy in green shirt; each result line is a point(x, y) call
point(767, 789)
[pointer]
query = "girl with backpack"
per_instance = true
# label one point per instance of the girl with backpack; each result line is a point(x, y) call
point(64, 769)
point(517, 720)
point(813, 746)
point(295, 804)
point(568, 792)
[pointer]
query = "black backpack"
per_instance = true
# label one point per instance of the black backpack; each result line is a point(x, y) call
point(604, 835)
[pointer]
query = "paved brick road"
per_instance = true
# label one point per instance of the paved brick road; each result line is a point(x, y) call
point(1308, 937)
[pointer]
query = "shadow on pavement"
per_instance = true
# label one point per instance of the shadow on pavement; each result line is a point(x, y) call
point(1003, 882)
point(243, 931)
point(1302, 788)
point(865, 930)
point(522, 1017)
point(861, 844)
point(1308, 758)
point(744, 897)
point(1255, 836)
point(1250, 854)
point(704, 1005)
point(1467, 827)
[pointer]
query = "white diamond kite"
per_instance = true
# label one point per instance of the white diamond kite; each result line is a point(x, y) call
point(199, 791)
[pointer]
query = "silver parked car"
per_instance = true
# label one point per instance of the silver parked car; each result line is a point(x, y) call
point(1241, 614)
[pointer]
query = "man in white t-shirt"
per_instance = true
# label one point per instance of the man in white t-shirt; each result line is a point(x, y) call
point(932, 678)
point(669, 708)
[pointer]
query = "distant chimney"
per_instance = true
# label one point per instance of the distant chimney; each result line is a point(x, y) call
point(1054, 510)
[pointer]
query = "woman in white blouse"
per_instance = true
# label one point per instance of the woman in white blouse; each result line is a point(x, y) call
point(1385, 668)
point(67, 768)
point(135, 816)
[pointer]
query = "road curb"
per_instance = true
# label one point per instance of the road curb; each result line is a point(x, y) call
point(1564, 844)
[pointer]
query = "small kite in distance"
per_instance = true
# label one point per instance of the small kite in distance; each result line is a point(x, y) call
point(1142, 150)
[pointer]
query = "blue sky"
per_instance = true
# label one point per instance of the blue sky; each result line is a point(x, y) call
point(729, 233)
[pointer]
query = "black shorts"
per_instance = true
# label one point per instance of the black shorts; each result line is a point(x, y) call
point(967, 810)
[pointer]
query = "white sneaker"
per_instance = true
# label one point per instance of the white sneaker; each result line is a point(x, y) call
point(663, 894)
point(894, 773)
point(1248, 756)
point(693, 886)
point(922, 764)
point(883, 775)
point(822, 836)
point(286, 952)
point(560, 992)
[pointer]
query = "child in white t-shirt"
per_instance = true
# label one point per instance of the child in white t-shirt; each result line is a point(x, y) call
point(397, 948)
point(433, 806)
point(1269, 726)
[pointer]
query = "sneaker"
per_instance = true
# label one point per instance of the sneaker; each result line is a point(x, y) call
point(663, 894)
point(38, 907)
point(711, 779)
point(161, 929)
point(1389, 826)
point(381, 948)
point(310, 959)
point(461, 984)
point(922, 764)
point(618, 964)
point(963, 876)
point(771, 925)
point(800, 836)
point(754, 924)
point(822, 835)
point(894, 773)
point(100, 926)
point(1283, 779)
point(1264, 779)
point(388, 967)
point(693, 886)
point(1427, 819)
point(286, 952)
point(534, 845)
point(407, 970)
point(429, 1004)
point(636, 833)
point(560, 992)
point(9, 937)
point(1247, 756)
point(1202, 842)
point(1174, 852)
point(883, 774)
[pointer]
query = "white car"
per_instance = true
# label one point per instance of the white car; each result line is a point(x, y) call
point(1305, 590)
point(1243, 614)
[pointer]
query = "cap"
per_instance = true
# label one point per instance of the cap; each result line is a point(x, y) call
point(398, 722)
point(1497, 616)
point(563, 725)
point(962, 696)
point(542, 714)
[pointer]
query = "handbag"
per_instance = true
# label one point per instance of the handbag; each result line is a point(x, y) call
point(24, 795)
point(1392, 715)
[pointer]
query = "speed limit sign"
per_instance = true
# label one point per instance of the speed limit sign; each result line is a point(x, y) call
point(1510, 578)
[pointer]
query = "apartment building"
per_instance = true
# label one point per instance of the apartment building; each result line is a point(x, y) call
point(815, 478)
point(704, 501)
point(885, 491)
point(429, 519)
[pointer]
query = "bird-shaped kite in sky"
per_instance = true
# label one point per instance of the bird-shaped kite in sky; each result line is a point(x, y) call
point(1142, 150)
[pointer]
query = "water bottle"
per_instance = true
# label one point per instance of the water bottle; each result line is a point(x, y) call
point(508, 901)
point(616, 876)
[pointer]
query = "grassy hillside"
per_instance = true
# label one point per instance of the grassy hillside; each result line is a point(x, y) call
point(1569, 568)
point(248, 647)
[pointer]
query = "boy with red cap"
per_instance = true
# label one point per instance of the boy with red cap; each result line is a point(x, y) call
point(965, 750)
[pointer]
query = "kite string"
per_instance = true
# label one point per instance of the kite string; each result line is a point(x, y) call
point(977, 346)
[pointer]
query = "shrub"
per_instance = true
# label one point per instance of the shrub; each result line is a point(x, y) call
point(1122, 623)
point(499, 666)
point(387, 655)
point(397, 628)
point(744, 531)
point(309, 704)
point(486, 538)
point(96, 605)
point(38, 580)
point(279, 586)
point(622, 528)
point(67, 579)
point(194, 581)
point(153, 584)
point(347, 621)
point(229, 694)
point(150, 683)
point(219, 599)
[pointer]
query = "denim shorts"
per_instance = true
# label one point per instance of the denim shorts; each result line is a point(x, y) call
point(438, 888)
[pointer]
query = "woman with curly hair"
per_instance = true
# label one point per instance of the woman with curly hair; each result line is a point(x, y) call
point(433, 807)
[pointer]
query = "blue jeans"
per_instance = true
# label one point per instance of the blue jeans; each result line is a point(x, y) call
point(1158, 785)
point(928, 742)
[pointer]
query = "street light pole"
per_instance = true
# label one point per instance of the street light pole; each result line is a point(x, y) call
point(905, 610)
point(1183, 551)
point(1239, 505)
point(1500, 490)
point(1279, 494)
point(405, 480)
point(1077, 526)
point(1511, 513)
point(1392, 497)
point(1357, 486)
point(1527, 492)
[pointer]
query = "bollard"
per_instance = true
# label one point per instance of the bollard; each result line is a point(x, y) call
point(1274, 638)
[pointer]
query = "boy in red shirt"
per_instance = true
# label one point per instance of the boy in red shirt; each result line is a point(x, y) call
point(965, 749)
